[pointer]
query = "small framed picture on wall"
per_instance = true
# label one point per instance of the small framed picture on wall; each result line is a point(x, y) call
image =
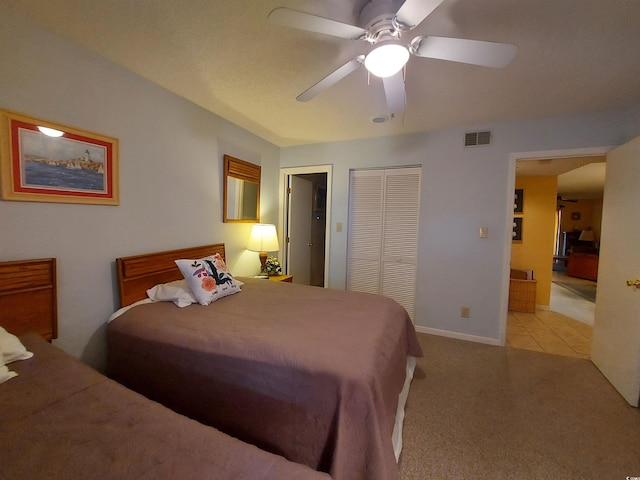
point(518, 200)
point(517, 229)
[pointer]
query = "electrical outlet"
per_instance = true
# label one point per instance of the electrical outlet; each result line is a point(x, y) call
point(465, 312)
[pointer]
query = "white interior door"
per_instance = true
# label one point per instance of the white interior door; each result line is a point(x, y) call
point(300, 214)
point(615, 345)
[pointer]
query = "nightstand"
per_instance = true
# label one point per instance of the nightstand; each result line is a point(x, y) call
point(282, 278)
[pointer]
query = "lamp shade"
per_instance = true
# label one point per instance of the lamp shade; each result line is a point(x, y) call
point(587, 236)
point(386, 59)
point(263, 238)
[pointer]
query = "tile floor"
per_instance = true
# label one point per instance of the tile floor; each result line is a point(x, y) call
point(565, 329)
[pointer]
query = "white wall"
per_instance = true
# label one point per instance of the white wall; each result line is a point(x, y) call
point(170, 176)
point(462, 189)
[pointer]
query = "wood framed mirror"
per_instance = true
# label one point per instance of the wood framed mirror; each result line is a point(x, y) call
point(241, 202)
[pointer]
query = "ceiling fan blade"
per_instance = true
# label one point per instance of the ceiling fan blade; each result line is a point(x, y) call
point(331, 79)
point(288, 17)
point(395, 92)
point(474, 52)
point(413, 12)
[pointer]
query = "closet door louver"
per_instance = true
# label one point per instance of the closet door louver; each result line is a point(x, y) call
point(383, 233)
point(364, 249)
point(400, 237)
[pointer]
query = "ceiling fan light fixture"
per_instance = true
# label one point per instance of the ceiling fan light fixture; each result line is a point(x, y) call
point(386, 59)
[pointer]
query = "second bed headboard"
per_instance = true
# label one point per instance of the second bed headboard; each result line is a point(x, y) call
point(28, 297)
point(138, 273)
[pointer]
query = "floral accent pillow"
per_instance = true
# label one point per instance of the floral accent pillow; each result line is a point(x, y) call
point(208, 278)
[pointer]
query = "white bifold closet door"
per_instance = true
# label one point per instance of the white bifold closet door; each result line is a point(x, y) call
point(382, 251)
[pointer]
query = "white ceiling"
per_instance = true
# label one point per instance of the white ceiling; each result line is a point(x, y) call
point(578, 177)
point(574, 56)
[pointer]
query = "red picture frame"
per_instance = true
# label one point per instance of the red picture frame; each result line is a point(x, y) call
point(41, 161)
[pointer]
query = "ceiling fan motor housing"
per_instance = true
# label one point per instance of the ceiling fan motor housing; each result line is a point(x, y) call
point(377, 18)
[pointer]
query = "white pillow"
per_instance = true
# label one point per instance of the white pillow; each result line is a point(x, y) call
point(11, 348)
point(177, 292)
point(5, 373)
point(208, 278)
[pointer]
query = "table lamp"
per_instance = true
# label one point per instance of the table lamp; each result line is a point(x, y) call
point(263, 239)
point(587, 236)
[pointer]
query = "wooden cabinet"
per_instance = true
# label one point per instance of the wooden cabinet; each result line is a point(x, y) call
point(583, 265)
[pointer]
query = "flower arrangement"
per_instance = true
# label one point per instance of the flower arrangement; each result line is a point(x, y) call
point(272, 266)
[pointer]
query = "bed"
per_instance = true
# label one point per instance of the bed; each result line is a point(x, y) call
point(318, 376)
point(62, 420)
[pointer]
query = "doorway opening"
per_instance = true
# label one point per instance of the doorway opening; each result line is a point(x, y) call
point(305, 220)
point(552, 266)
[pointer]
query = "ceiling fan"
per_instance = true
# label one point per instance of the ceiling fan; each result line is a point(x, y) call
point(559, 199)
point(383, 26)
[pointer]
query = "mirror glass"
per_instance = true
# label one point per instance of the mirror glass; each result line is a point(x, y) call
point(241, 191)
point(242, 199)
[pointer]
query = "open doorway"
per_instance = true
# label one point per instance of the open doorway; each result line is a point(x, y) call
point(306, 207)
point(563, 197)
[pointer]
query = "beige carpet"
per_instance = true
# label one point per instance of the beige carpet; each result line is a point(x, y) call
point(482, 412)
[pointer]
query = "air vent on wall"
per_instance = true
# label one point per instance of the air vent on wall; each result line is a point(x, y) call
point(476, 139)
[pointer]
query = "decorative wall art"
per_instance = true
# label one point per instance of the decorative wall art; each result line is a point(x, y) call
point(46, 162)
point(517, 229)
point(518, 200)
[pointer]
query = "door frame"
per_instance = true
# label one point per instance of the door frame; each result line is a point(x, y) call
point(513, 158)
point(283, 217)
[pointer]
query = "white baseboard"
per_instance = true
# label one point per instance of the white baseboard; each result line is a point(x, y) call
point(459, 336)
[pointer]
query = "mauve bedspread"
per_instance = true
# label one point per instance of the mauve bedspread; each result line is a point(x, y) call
point(61, 420)
point(309, 373)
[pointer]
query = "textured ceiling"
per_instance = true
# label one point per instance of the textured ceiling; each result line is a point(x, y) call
point(574, 56)
point(578, 177)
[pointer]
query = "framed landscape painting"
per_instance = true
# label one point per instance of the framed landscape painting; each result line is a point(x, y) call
point(42, 161)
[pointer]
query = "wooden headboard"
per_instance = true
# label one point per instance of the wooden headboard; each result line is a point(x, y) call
point(139, 273)
point(28, 297)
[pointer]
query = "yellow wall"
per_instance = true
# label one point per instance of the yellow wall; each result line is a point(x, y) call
point(590, 213)
point(535, 251)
